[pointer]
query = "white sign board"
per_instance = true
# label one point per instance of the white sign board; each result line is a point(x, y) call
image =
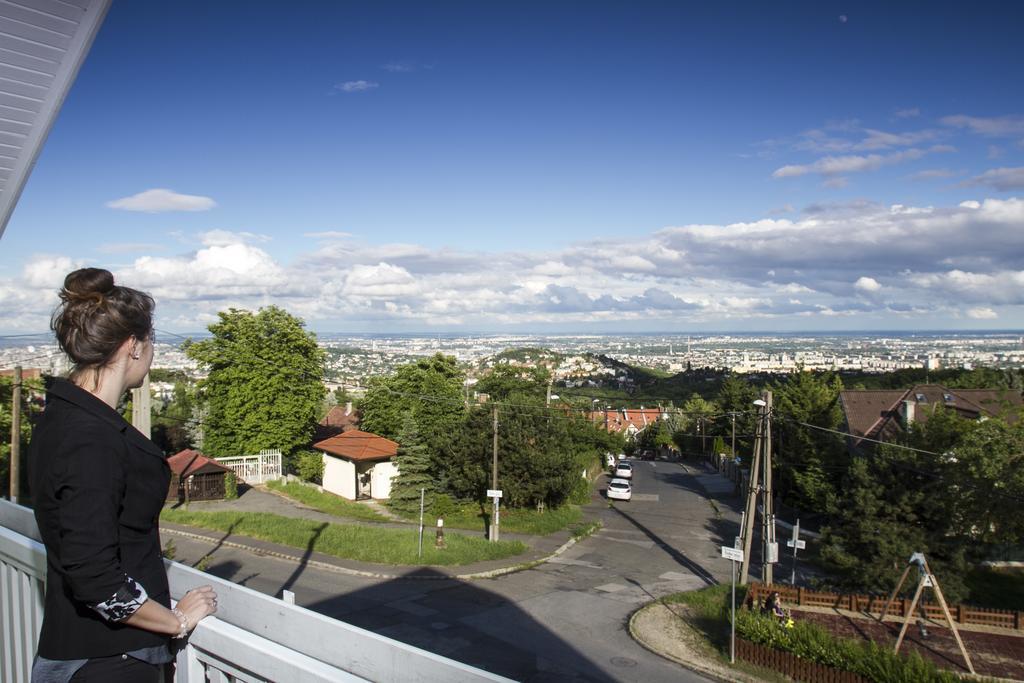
point(734, 554)
point(800, 545)
point(494, 493)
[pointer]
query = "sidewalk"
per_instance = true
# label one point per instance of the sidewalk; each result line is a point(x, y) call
point(539, 548)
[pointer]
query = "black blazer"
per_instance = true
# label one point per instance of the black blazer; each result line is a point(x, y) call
point(98, 486)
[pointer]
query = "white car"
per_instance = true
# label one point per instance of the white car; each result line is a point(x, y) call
point(619, 489)
point(624, 470)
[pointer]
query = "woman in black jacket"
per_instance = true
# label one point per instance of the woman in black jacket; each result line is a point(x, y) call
point(98, 486)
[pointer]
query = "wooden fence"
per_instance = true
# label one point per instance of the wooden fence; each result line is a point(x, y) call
point(790, 665)
point(874, 604)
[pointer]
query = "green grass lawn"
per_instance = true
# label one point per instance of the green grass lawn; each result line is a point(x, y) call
point(476, 517)
point(363, 543)
point(326, 502)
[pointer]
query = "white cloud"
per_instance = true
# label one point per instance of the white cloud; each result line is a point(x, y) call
point(160, 200)
point(356, 86)
point(909, 113)
point(982, 313)
point(1002, 179)
point(993, 127)
point(855, 163)
point(47, 272)
point(382, 281)
point(827, 260)
point(867, 284)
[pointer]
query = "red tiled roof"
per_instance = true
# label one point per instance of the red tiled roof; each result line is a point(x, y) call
point(189, 462)
point(620, 420)
point(357, 445)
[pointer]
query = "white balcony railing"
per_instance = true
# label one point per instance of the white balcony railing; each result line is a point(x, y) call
point(254, 638)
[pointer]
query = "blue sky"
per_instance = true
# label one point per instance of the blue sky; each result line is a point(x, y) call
point(540, 166)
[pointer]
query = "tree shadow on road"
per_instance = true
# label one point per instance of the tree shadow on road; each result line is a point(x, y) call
point(684, 561)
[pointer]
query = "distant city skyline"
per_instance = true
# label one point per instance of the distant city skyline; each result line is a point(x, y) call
point(545, 168)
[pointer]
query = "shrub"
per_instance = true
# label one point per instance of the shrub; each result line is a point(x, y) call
point(443, 506)
point(230, 486)
point(580, 494)
point(309, 465)
point(816, 644)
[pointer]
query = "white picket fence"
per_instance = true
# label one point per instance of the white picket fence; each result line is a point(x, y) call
point(255, 469)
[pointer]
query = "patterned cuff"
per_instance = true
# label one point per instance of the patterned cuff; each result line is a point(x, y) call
point(124, 603)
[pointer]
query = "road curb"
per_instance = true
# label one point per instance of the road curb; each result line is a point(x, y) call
point(489, 574)
point(691, 665)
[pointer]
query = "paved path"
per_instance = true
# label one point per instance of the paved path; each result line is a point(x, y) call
point(564, 620)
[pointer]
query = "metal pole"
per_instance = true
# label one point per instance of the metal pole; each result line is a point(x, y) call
point(16, 435)
point(734, 436)
point(420, 550)
point(494, 479)
point(796, 539)
point(732, 626)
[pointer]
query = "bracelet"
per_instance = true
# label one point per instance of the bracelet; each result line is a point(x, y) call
point(183, 621)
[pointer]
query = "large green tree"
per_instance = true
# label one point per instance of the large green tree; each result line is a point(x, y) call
point(808, 462)
point(264, 382)
point(430, 389)
point(541, 454)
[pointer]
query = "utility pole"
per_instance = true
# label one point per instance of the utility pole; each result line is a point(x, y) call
point(733, 436)
point(753, 484)
point(495, 524)
point(16, 435)
point(141, 408)
point(770, 551)
point(759, 483)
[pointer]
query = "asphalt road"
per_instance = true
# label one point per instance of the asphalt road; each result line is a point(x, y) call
point(565, 620)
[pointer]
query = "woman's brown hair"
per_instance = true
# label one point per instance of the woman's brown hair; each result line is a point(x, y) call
point(95, 317)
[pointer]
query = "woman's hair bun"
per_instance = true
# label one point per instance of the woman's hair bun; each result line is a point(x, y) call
point(87, 283)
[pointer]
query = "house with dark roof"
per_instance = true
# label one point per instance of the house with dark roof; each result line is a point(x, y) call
point(358, 464)
point(195, 477)
point(884, 414)
point(338, 419)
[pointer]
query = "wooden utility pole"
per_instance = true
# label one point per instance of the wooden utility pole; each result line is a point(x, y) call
point(495, 523)
point(760, 483)
point(770, 549)
point(753, 483)
point(141, 408)
point(16, 435)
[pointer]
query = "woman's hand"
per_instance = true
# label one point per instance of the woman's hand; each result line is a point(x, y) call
point(197, 604)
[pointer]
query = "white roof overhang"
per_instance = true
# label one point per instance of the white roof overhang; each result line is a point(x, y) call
point(42, 45)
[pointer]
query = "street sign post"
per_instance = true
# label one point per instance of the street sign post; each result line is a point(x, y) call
point(734, 555)
point(495, 495)
point(796, 544)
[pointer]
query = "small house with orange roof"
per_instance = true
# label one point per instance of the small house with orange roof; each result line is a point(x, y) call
point(358, 464)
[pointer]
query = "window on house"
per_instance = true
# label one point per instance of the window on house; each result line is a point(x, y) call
point(921, 398)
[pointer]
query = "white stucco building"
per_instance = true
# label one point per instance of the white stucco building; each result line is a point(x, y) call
point(358, 465)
